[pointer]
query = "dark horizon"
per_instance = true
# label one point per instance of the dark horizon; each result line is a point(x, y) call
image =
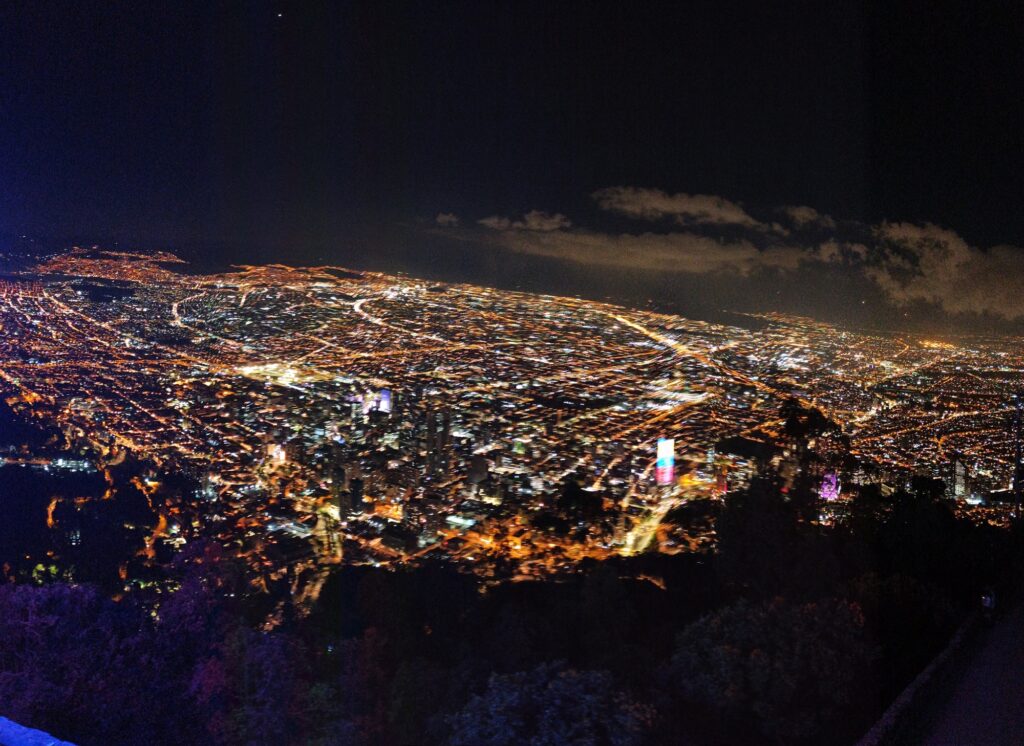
point(341, 132)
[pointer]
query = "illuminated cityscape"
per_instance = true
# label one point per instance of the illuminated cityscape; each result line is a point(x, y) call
point(511, 373)
point(331, 416)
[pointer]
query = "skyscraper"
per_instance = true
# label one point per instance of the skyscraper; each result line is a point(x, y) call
point(1018, 456)
point(955, 475)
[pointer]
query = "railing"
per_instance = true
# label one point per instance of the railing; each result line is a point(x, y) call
point(899, 722)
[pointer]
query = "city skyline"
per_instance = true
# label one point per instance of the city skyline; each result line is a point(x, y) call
point(383, 418)
point(511, 372)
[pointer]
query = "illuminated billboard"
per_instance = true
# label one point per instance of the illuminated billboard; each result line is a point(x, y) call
point(665, 466)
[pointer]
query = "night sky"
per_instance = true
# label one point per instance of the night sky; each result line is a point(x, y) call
point(379, 134)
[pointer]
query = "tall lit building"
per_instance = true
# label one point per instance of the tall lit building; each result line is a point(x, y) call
point(665, 465)
point(956, 476)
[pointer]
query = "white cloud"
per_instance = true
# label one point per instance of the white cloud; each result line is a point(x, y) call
point(935, 265)
point(801, 216)
point(671, 252)
point(686, 209)
point(535, 220)
point(447, 219)
point(835, 252)
point(908, 263)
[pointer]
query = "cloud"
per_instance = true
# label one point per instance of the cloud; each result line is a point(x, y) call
point(535, 220)
point(802, 216)
point(840, 252)
point(934, 265)
point(447, 219)
point(686, 209)
point(908, 263)
point(671, 252)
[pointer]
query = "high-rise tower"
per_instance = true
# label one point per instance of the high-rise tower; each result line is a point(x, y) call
point(1018, 457)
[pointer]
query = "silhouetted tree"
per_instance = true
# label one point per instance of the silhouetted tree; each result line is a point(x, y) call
point(793, 667)
point(907, 620)
point(68, 663)
point(550, 706)
point(757, 533)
